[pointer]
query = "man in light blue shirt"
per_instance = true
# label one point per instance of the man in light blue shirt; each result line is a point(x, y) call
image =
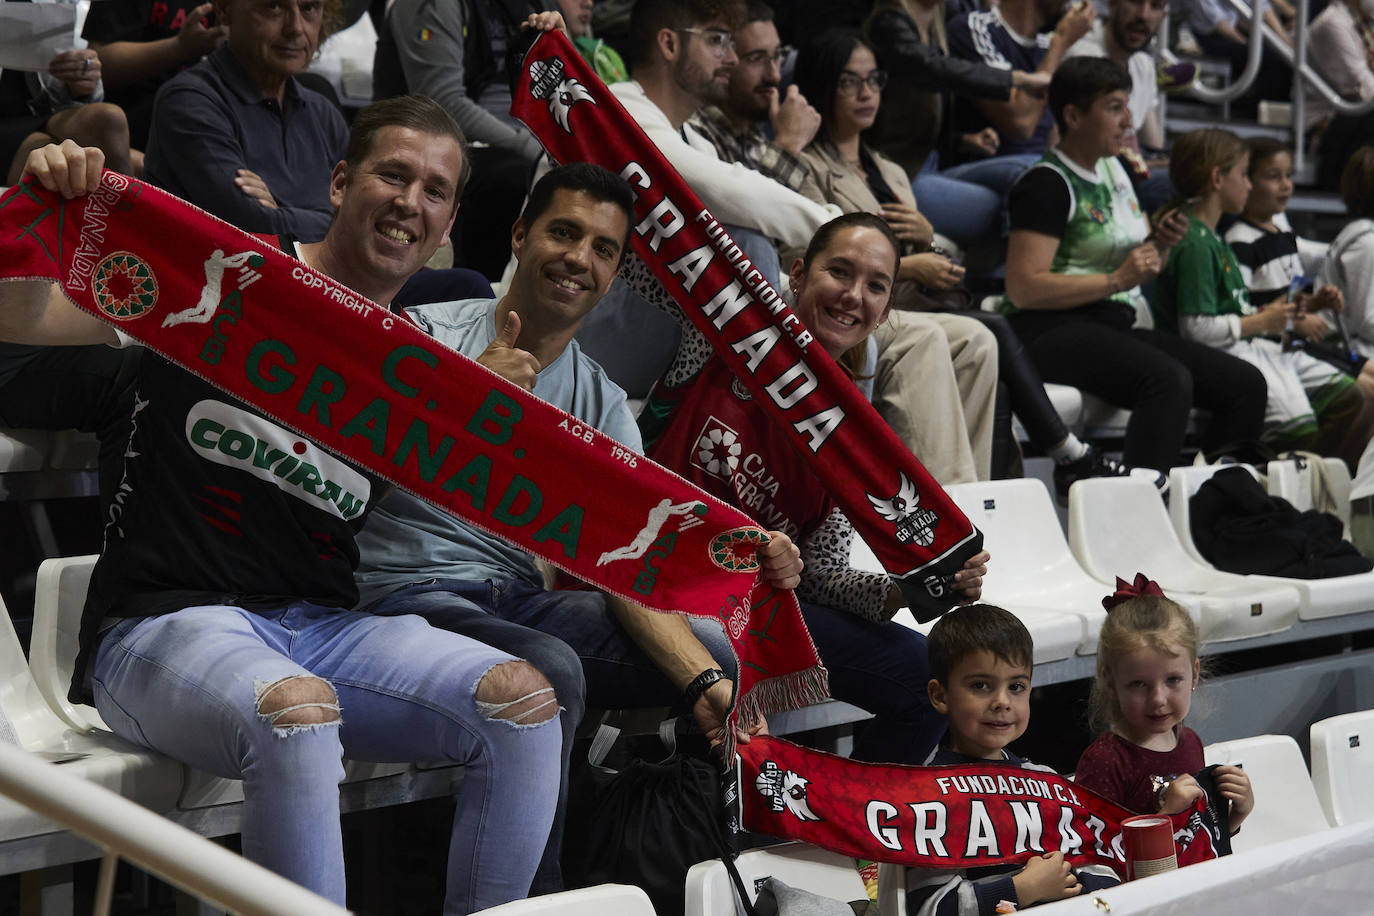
point(416, 559)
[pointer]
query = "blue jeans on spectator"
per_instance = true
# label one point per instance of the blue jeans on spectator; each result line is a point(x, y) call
point(967, 202)
point(996, 173)
point(617, 673)
point(878, 667)
point(558, 632)
point(187, 684)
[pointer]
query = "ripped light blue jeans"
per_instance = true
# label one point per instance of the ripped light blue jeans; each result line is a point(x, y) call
point(188, 684)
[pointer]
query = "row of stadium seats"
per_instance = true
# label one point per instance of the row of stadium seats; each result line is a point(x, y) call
point(1118, 527)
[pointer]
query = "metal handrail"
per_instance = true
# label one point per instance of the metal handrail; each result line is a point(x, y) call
point(1296, 57)
point(126, 830)
point(1303, 75)
point(1252, 62)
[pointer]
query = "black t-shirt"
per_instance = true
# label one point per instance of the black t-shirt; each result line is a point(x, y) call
point(220, 505)
point(1039, 202)
point(137, 20)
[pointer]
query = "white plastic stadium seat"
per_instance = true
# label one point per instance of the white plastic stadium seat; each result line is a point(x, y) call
point(1297, 480)
point(1118, 526)
point(710, 892)
point(1320, 597)
point(59, 596)
point(1056, 635)
point(1286, 805)
point(602, 900)
point(1033, 570)
point(23, 449)
point(1343, 766)
point(58, 600)
point(26, 721)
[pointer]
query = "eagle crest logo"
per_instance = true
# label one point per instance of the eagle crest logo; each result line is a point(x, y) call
point(914, 524)
point(549, 83)
point(785, 790)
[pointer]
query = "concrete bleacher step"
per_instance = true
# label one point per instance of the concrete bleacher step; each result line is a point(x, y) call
point(1182, 124)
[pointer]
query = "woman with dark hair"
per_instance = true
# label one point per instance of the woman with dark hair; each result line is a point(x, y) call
point(915, 128)
point(842, 79)
point(1079, 250)
point(699, 422)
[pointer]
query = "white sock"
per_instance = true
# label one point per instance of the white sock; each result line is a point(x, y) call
point(1071, 449)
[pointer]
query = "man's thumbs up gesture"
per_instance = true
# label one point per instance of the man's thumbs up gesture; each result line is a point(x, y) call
point(507, 360)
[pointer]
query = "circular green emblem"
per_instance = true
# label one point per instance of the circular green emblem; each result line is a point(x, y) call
point(737, 549)
point(124, 286)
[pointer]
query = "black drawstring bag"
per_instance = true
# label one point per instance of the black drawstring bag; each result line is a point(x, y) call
point(647, 825)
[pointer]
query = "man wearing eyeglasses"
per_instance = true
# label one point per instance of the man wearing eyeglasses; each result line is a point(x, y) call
point(682, 56)
point(735, 127)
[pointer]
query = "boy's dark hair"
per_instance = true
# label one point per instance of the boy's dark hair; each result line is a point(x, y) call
point(1263, 148)
point(649, 17)
point(596, 182)
point(1357, 183)
point(757, 11)
point(1080, 81)
point(977, 628)
point(416, 112)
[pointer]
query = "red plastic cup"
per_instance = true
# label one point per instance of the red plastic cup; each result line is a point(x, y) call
point(1149, 843)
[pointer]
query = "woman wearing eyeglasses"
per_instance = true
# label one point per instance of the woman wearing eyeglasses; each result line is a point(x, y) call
point(839, 72)
point(910, 39)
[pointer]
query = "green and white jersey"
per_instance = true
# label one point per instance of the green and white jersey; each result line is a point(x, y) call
point(1202, 277)
point(1098, 223)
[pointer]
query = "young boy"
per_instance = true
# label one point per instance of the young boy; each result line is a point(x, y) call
point(1271, 256)
point(980, 662)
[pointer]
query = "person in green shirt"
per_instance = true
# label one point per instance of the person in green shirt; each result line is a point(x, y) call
point(1201, 296)
point(1080, 247)
point(604, 59)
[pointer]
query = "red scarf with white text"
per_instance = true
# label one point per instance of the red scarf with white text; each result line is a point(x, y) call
point(915, 530)
point(375, 390)
point(951, 817)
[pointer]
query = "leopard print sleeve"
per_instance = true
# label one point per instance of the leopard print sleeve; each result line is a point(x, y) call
point(694, 350)
point(827, 578)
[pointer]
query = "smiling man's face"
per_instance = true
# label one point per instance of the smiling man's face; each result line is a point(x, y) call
point(567, 257)
point(396, 206)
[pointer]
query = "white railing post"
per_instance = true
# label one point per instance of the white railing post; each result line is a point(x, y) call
point(127, 830)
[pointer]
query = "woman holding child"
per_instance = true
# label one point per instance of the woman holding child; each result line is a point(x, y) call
point(1079, 251)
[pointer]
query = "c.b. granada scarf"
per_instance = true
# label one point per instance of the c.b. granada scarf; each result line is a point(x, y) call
point(374, 389)
point(942, 816)
point(915, 530)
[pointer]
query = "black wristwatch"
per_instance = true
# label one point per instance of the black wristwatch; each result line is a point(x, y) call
point(700, 683)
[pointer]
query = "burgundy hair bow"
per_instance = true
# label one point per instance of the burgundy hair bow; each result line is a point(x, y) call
point(1127, 590)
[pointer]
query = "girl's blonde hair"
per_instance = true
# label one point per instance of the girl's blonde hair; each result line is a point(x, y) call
point(1196, 153)
point(1145, 621)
